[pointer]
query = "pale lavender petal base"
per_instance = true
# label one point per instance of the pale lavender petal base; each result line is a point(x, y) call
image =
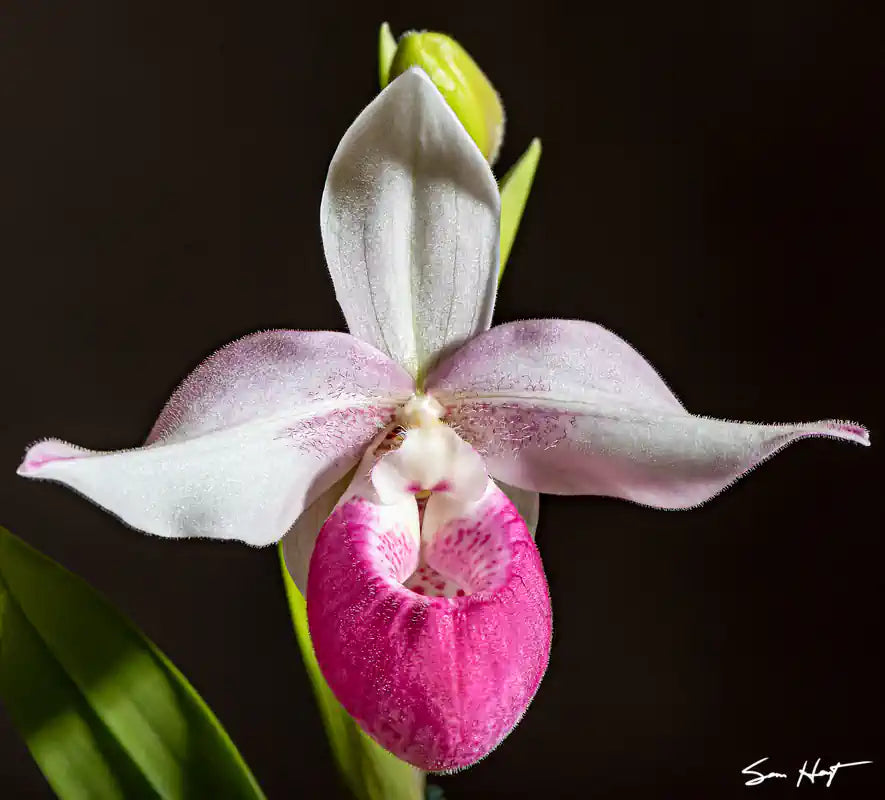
point(439, 681)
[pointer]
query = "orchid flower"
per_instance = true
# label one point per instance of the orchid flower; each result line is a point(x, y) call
point(397, 457)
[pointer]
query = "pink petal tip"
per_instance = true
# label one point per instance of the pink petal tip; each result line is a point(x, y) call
point(46, 452)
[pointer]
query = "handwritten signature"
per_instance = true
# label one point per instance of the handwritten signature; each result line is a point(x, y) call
point(805, 774)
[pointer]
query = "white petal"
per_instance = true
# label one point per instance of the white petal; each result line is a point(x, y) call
point(246, 443)
point(410, 220)
point(567, 407)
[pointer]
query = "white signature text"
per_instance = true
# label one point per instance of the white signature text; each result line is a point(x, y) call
point(805, 773)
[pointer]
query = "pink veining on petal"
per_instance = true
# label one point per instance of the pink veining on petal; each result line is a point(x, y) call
point(343, 430)
point(440, 669)
point(496, 429)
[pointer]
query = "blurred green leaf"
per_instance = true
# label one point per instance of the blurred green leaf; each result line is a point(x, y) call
point(386, 51)
point(460, 81)
point(369, 770)
point(104, 713)
point(515, 187)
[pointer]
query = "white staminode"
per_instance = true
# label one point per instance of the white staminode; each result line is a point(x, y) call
point(432, 458)
point(420, 410)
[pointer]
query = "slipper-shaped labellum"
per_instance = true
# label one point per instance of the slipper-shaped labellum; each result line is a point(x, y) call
point(431, 623)
point(372, 452)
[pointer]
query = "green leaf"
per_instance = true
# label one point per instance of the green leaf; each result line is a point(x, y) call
point(369, 770)
point(515, 187)
point(386, 51)
point(104, 713)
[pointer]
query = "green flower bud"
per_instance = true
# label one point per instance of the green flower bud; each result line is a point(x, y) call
point(460, 81)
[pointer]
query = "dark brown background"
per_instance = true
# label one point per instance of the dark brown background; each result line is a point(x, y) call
point(711, 188)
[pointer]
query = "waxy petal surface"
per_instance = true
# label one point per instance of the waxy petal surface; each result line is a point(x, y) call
point(249, 439)
point(437, 679)
point(410, 220)
point(566, 407)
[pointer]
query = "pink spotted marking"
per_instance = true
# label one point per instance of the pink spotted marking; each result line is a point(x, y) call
point(465, 556)
point(428, 582)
